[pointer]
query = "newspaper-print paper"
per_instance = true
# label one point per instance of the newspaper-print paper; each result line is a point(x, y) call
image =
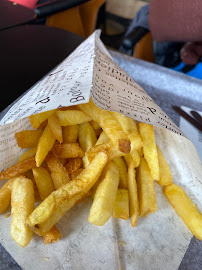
point(160, 239)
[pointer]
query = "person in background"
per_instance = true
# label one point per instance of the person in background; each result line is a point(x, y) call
point(178, 21)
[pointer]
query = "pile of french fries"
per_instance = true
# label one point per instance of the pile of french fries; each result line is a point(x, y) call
point(81, 151)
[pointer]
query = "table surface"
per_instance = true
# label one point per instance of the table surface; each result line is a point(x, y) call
point(12, 14)
point(22, 66)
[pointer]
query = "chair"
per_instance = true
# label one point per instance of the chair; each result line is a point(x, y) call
point(79, 16)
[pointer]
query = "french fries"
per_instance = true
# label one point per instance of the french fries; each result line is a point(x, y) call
point(149, 149)
point(22, 205)
point(121, 206)
point(185, 208)
point(133, 193)
point(43, 181)
point(109, 124)
point(53, 208)
point(146, 192)
point(105, 196)
point(28, 138)
point(59, 174)
point(5, 195)
point(80, 151)
point(45, 144)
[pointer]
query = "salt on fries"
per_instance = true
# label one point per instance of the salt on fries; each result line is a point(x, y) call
point(83, 151)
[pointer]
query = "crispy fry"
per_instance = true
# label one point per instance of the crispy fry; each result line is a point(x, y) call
point(121, 207)
point(129, 126)
point(87, 137)
point(5, 195)
point(109, 124)
point(59, 174)
point(123, 172)
point(149, 149)
point(43, 181)
point(55, 127)
point(52, 236)
point(22, 204)
point(95, 125)
point(18, 168)
point(70, 133)
point(68, 150)
point(45, 144)
point(133, 193)
point(28, 154)
point(105, 196)
point(165, 173)
point(72, 117)
point(102, 139)
point(28, 138)
point(53, 208)
point(37, 119)
point(75, 174)
point(185, 208)
point(112, 151)
point(146, 192)
point(73, 165)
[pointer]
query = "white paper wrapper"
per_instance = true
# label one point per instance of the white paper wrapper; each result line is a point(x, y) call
point(159, 239)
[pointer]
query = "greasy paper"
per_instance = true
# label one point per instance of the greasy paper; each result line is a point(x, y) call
point(159, 239)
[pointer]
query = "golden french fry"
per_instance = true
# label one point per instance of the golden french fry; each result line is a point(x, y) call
point(43, 125)
point(43, 181)
point(87, 137)
point(28, 154)
point(165, 173)
point(135, 156)
point(45, 144)
point(67, 150)
point(37, 119)
point(59, 174)
point(102, 139)
point(52, 236)
point(22, 204)
point(72, 117)
point(55, 127)
point(5, 195)
point(129, 126)
point(105, 196)
point(140, 152)
point(18, 168)
point(53, 208)
point(109, 124)
point(73, 165)
point(146, 192)
point(28, 138)
point(121, 207)
point(133, 193)
point(70, 133)
point(149, 149)
point(95, 125)
point(185, 208)
point(112, 151)
point(76, 173)
point(123, 171)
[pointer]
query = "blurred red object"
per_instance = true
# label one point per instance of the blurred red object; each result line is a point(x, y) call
point(26, 3)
